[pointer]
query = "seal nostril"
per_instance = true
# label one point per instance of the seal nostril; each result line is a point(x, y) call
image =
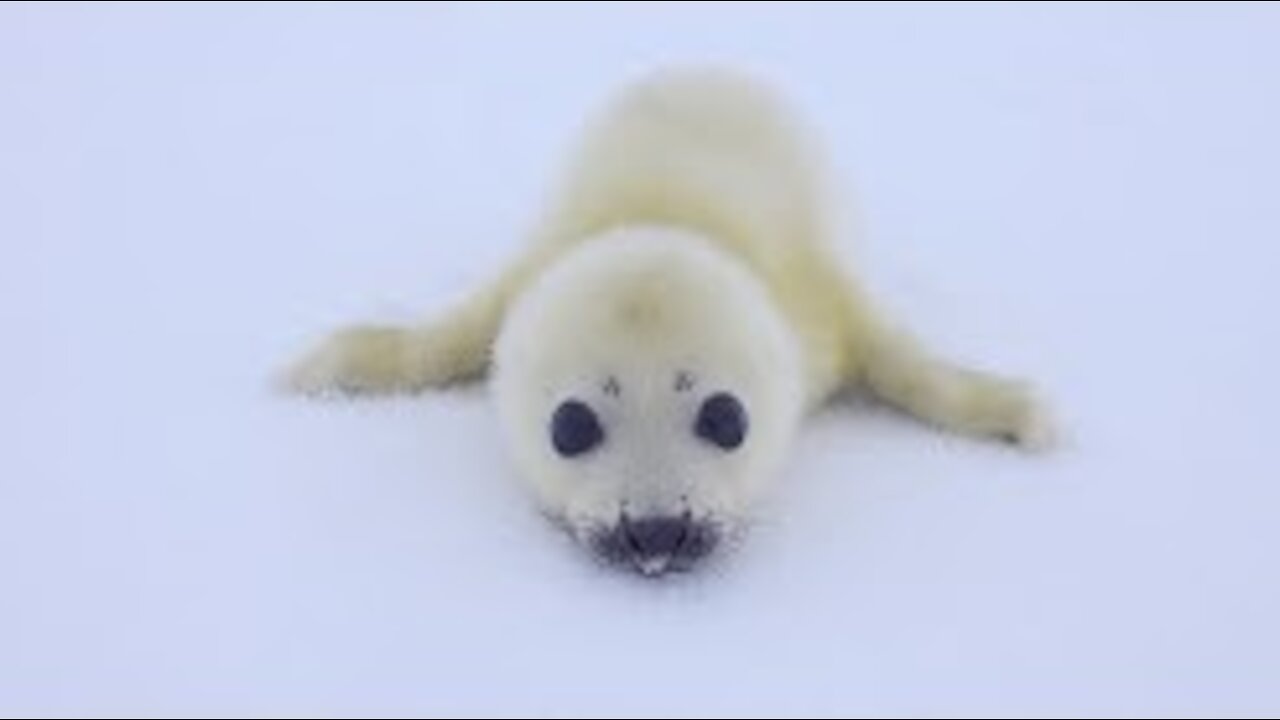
point(629, 536)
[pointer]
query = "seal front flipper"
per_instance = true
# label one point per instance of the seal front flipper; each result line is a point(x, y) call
point(452, 348)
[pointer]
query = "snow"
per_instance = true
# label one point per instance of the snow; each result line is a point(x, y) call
point(190, 194)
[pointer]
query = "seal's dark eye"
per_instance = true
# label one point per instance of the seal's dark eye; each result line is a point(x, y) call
point(722, 421)
point(575, 429)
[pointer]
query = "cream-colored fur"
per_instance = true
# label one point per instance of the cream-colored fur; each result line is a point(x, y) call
point(694, 201)
point(709, 151)
point(643, 323)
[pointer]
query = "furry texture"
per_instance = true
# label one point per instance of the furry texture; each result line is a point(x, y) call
point(692, 236)
point(643, 325)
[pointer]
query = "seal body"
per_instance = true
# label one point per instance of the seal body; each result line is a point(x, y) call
point(676, 311)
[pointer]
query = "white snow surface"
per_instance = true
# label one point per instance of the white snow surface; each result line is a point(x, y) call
point(190, 194)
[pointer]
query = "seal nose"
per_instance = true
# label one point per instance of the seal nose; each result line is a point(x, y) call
point(656, 544)
point(656, 537)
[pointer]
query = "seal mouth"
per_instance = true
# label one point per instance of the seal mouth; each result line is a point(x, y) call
point(655, 545)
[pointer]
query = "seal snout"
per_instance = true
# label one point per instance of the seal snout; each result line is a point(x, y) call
point(654, 545)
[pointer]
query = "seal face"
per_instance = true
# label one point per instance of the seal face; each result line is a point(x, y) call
point(648, 388)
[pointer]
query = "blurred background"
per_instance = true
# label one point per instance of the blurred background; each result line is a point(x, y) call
point(1085, 195)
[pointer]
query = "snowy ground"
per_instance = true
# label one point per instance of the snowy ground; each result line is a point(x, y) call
point(1087, 196)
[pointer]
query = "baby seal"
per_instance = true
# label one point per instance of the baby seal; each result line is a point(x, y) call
point(676, 312)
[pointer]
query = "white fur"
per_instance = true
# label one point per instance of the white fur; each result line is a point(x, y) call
point(619, 323)
point(692, 232)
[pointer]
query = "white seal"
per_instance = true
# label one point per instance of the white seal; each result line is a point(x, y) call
point(676, 313)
